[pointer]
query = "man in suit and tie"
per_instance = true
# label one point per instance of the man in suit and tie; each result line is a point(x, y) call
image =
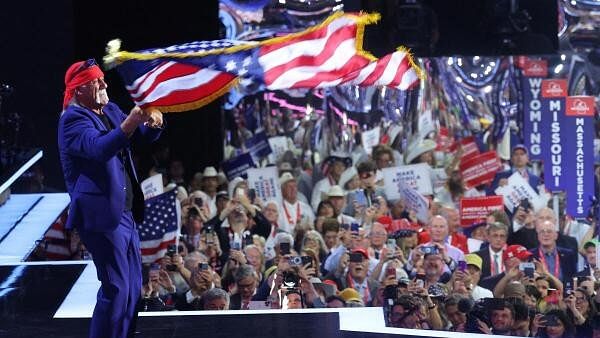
point(497, 233)
point(94, 138)
point(560, 262)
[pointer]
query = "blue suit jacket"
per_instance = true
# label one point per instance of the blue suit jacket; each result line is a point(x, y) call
point(567, 259)
point(94, 174)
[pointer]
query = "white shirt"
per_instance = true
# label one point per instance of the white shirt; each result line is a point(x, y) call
point(577, 230)
point(500, 263)
point(474, 244)
point(288, 216)
point(322, 187)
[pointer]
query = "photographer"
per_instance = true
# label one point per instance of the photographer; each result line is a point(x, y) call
point(457, 318)
point(512, 256)
point(438, 230)
point(201, 279)
point(155, 279)
point(238, 212)
point(553, 324)
point(291, 277)
point(357, 276)
point(194, 217)
point(466, 277)
point(415, 312)
point(501, 315)
point(581, 310)
point(172, 262)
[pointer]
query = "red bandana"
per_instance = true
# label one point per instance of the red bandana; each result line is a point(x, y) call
point(78, 75)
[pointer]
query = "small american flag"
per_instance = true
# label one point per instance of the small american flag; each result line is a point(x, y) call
point(160, 226)
point(187, 76)
point(57, 245)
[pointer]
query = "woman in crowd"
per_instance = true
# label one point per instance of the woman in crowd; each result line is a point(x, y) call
point(313, 240)
point(582, 312)
point(553, 324)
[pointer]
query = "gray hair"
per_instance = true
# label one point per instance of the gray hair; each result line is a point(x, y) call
point(314, 234)
point(215, 293)
point(193, 258)
point(497, 226)
point(244, 271)
point(284, 237)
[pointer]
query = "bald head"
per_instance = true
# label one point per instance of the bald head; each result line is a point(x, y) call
point(438, 228)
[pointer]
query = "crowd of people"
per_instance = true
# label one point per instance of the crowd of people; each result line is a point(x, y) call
point(336, 240)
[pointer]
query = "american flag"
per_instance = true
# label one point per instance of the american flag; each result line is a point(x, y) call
point(160, 227)
point(187, 76)
point(57, 245)
point(396, 70)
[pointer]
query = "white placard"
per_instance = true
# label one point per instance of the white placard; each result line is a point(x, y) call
point(370, 139)
point(279, 145)
point(265, 181)
point(425, 124)
point(416, 176)
point(413, 200)
point(152, 186)
point(518, 189)
point(597, 256)
point(438, 179)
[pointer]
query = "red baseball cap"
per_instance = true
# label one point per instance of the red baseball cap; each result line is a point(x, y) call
point(361, 251)
point(387, 223)
point(517, 251)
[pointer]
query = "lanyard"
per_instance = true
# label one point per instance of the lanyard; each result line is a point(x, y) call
point(289, 218)
point(366, 293)
point(556, 262)
point(331, 180)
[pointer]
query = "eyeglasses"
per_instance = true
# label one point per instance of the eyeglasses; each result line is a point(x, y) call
point(87, 64)
point(546, 231)
point(580, 299)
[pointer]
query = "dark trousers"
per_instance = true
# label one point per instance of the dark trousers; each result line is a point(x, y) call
point(117, 258)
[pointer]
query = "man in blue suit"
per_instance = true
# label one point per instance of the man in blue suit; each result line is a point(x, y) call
point(519, 160)
point(106, 201)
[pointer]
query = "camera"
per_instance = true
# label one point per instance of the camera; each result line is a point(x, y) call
point(299, 260)
point(429, 250)
point(356, 257)
point(295, 261)
point(481, 310)
point(551, 320)
point(202, 266)
point(291, 279)
point(171, 251)
point(528, 268)
point(284, 248)
point(198, 201)
point(525, 204)
point(390, 292)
